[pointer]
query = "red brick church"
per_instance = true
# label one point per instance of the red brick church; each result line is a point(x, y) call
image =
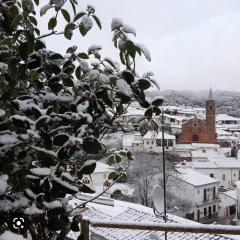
point(199, 130)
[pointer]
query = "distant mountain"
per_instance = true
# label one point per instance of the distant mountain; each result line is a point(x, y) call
point(227, 101)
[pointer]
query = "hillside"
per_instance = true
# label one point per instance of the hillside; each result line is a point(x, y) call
point(227, 102)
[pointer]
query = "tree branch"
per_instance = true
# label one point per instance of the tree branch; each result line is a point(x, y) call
point(101, 193)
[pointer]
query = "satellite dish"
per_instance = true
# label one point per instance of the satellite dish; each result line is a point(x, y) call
point(158, 199)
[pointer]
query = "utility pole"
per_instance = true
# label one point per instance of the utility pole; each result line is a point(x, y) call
point(164, 174)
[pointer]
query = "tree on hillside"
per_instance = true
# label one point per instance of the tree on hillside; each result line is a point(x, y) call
point(54, 111)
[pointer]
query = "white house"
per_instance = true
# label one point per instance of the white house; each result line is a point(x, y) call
point(153, 142)
point(228, 122)
point(198, 189)
point(215, 164)
point(150, 142)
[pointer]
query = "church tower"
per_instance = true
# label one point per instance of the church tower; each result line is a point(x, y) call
point(211, 117)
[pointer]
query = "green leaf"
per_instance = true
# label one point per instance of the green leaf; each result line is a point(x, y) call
point(36, 2)
point(122, 57)
point(73, 6)
point(111, 160)
point(128, 76)
point(68, 31)
point(60, 139)
point(91, 145)
point(131, 49)
point(148, 113)
point(130, 155)
point(97, 21)
point(66, 15)
point(56, 56)
point(83, 55)
point(88, 167)
point(112, 175)
point(78, 72)
point(86, 189)
point(143, 129)
point(123, 153)
point(144, 84)
point(157, 102)
point(33, 20)
point(52, 23)
point(74, 227)
point(83, 30)
point(68, 82)
point(118, 158)
point(25, 49)
point(56, 224)
point(109, 61)
point(79, 15)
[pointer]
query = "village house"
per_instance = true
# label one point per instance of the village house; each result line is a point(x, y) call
point(150, 142)
point(198, 189)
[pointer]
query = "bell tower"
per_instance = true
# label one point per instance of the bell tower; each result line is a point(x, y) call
point(211, 117)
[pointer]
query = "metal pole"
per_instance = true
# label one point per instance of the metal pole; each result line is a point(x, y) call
point(164, 174)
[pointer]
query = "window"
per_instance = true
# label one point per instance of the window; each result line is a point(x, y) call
point(223, 177)
point(205, 195)
point(214, 192)
point(159, 143)
point(190, 216)
point(165, 142)
point(212, 175)
point(152, 142)
point(147, 142)
point(198, 191)
point(170, 142)
point(205, 211)
point(214, 208)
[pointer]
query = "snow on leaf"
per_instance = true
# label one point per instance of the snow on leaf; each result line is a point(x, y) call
point(2, 113)
point(7, 205)
point(94, 48)
point(41, 171)
point(8, 138)
point(84, 66)
point(33, 210)
point(53, 204)
point(3, 183)
point(128, 29)
point(124, 87)
point(87, 22)
point(144, 51)
point(52, 153)
point(45, 8)
point(65, 184)
point(116, 23)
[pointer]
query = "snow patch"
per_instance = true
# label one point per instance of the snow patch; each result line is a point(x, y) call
point(116, 23)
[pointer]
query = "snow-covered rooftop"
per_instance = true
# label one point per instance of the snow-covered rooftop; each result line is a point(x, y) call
point(194, 178)
point(154, 135)
point(223, 132)
point(225, 117)
point(231, 193)
point(124, 212)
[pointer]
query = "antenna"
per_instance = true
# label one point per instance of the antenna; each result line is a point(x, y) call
point(158, 199)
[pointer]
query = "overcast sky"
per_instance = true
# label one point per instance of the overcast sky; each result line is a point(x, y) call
point(194, 44)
